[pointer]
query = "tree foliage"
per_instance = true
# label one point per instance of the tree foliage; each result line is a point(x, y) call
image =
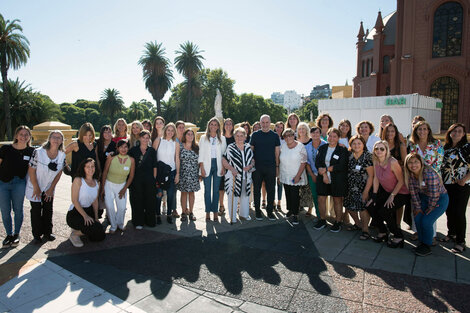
point(157, 74)
point(27, 107)
point(308, 108)
point(111, 103)
point(14, 52)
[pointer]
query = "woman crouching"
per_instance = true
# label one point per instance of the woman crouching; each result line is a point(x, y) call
point(429, 199)
point(83, 213)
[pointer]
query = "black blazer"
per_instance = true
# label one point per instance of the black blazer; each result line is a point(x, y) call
point(339, 175)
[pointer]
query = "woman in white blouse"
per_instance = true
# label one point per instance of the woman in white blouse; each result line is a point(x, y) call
point(45, 169)
point(211, 148)
point(292, 161)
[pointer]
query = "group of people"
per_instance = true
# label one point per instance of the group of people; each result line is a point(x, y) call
point(376, 179)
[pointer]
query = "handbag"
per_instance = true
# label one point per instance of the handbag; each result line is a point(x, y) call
point(163, 175)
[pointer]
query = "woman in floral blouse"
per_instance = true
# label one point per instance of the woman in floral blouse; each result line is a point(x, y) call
point(423, 143)
point(456, 176)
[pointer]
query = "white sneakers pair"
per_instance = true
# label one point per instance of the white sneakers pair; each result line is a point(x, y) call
point(75, 240)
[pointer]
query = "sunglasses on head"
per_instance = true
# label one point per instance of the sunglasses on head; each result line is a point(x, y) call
point(379, 148)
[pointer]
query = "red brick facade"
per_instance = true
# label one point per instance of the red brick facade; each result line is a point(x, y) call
point(420, 62)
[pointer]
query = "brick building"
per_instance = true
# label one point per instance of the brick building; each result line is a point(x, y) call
point(423, 47)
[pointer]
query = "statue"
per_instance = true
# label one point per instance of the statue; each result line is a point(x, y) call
point(218, 105)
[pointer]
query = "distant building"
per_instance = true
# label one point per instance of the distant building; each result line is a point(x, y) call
point(339, 92)
point(278, 98)
point(292, 100)
point(320, 92)
point(423, 47)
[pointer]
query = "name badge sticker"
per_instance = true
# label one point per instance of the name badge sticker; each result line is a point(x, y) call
point(336, 157)
point(126, 168)
point(358, 167)
point(423, 184)
point(26, 157)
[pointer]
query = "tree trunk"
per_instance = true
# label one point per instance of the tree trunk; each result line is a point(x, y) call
point(187, 114)
point(6, 96)
point(159, 108)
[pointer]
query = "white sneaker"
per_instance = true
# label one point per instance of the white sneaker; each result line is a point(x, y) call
point(248, 218)
point(139, 227)
point(76, 241)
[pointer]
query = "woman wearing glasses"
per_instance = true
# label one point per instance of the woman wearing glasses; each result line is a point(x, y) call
point(389, 194)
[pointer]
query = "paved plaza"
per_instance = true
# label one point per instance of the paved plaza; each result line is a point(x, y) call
point(250, 266)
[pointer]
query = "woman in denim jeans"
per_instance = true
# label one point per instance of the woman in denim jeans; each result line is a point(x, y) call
point(211, 147)
point(168, 152)
point(14, 161)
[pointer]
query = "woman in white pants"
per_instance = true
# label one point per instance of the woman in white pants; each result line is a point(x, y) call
point(117, 176)
point(238, 160)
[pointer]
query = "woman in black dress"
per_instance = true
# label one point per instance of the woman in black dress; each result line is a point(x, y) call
point(143, 188)
point(83, 148)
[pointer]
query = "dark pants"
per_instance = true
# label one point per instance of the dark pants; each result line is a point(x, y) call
point(41, 217)
point(94, 232)
point(382, 214)
point(268, 175)
point(292, 198)
point(142, 196)
point(170, 196)
point(456, 220)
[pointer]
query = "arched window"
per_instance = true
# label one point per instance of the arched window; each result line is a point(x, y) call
point(363, 68)
point(386, 66)
point(368, 67)
point(447, 33)
point(447, 89)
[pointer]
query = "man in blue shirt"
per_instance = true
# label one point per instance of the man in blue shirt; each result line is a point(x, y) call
point(266, 147)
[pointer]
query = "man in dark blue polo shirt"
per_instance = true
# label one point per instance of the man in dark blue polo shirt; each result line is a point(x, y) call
point(266, 146)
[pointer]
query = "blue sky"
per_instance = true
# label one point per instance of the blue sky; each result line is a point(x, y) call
point(79, 48)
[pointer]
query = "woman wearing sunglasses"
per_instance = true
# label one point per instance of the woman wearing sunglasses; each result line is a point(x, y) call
point(389, 194)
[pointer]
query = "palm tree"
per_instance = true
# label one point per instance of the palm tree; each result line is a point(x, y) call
point(156, 71)
point(14, 52)
point(189, 64)
point(111, 103)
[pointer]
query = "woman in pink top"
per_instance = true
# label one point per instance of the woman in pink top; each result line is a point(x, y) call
point(389, 194)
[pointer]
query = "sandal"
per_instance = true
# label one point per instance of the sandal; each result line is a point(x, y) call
point(175, 214)
point(263, 204)
point(458, 248)
point(183, 217)
point(353, 227)
point(221, 210)
point(446, 238)
point(414, 237)
point(364, 236)
point(192, 217)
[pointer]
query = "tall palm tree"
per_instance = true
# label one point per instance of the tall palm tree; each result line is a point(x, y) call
point(156, 71)
point(111, 103)
point(188, 63)
point(14, 52)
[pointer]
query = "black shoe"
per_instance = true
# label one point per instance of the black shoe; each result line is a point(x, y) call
point(289, 214)
point(320, 224)
point(37, 240)
point(380, 239)
point(169, 219)
point(295, 220)
point(423, 250)
point(271, 216)
point(7, 241)
point(336, 228)
point(259, 216)
point(15, 240)
point(393, 244)
point(159, 219)
point(49, 237)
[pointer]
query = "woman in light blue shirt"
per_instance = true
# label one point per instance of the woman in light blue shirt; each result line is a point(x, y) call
point(312, 151)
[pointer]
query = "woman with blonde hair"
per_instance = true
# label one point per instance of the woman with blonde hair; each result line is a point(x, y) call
point(211, 148)
point(388, 195)
point(136, 128)
point(229, 138)
point(83, 148)
point(45, 169)
point(306, 199)
point(429, 199)
point(120, 130)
